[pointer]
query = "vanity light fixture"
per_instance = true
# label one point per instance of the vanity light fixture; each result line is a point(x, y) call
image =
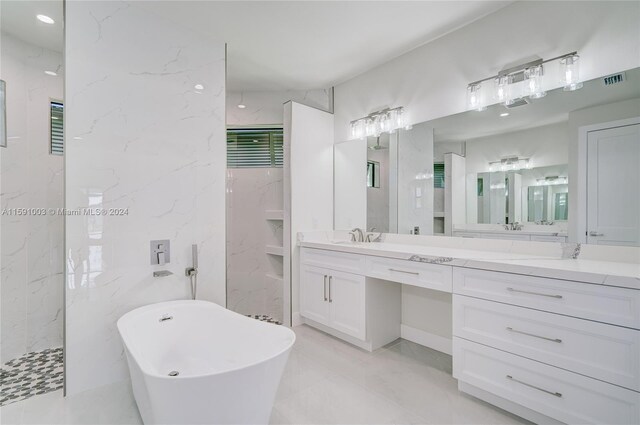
point(511, 163)
point(46, 19)
point(385, 121)
point(512, 86)
point(570, 70)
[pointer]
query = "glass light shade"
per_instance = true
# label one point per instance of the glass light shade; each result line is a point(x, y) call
point(533, 77)
point(501, 88)
point(570, 72)
point(358, 129)
point(475, 97)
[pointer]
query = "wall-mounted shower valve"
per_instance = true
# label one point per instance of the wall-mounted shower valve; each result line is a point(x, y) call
point(160, 252)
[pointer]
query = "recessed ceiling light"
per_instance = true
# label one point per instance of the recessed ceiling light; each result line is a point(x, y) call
point(53, 74)
point(241, 106)
point(45, 19)
point(198, 87)
point(504, 114)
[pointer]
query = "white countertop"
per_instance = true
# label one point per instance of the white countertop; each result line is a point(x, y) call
point(534, 259)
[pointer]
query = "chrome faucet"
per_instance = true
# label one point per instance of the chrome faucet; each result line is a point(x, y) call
point(192, 272)
point(513, 226)
point(372, 237)
point(357, 235)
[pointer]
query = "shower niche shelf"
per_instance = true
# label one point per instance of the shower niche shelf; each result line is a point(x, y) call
point(274, 250)
point(277, 215)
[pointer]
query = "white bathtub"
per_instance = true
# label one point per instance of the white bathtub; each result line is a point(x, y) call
point(229, 366)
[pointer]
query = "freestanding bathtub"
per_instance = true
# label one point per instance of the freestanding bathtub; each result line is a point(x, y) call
point(194, 362)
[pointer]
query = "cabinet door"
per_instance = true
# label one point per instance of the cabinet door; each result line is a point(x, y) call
point(347, 304)
point(314, 300)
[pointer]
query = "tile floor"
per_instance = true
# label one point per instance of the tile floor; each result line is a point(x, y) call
point(31, 374)
point(326, 382)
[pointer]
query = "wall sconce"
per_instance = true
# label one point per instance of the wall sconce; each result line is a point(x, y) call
point(3, 114)
point(376, 123)
point(511, 86)
point(511, 163)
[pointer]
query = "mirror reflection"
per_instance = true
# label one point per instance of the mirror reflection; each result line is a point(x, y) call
point(560, 168)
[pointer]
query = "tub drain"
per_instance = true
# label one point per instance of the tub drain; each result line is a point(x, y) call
point(174, 373)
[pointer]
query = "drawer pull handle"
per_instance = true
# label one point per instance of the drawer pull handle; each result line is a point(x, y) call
point(325, 287)
point(404, 271)
point(534, 293)
point(533, 335)
point(534, 387)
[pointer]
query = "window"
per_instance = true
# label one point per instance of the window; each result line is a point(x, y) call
point(373, 174)
point(255, 148)
point(438, 175)
point(57, 128)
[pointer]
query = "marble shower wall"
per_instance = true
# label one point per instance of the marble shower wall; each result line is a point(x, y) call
point(147, 146)
point(254, 278)
point(31, 248)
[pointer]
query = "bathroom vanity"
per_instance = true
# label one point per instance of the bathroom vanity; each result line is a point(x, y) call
point(535, 332)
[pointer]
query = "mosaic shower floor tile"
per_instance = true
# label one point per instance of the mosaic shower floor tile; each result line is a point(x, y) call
point(31, 374)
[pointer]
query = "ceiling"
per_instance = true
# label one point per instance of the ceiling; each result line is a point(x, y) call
point(18, 18)
point(286, 45)
point(553, 108)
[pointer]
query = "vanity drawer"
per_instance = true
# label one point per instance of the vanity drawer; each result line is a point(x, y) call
point(606, 352)
point(559, 394)
point(334, 260)
point(424, 275)
point(618, 306)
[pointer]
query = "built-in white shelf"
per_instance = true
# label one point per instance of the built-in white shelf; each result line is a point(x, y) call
point(274, 250)
point(275, 277)
point(274, 215)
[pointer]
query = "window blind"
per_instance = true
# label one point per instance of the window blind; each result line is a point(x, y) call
point(255, 148)
point(57, 128)
point(438, 175)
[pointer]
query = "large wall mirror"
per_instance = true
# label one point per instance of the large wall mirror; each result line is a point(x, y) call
point(565, 167)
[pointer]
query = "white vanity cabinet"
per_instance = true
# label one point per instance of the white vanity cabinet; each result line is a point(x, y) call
point(333, 298)
point(564, 349)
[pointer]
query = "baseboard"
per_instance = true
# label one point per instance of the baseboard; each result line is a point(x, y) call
point(433, 341)
point(296, 319)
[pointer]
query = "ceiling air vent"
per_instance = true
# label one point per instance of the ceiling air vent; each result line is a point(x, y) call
point(610, 80)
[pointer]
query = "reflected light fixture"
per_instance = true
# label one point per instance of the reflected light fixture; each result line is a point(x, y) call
point(52, 73)
point(504, 114)
point(376, 123)
point(552, 181)
point(510, 163)
point(513, 85)
point(570, 70)
point(46, 19)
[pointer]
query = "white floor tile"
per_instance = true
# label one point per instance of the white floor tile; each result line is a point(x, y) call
point(327, 381)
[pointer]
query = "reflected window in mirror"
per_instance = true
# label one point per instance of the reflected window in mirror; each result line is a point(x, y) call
point(373, 174)
point(438, 175)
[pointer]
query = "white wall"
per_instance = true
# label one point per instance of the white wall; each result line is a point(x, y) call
point(308, 181)
point(32, 245)
point(415, 196)
point(378, 197)
point(254, 278)
point(577, 168)
point(266, 107)
point(350, 185)
point(430, 81)
point(139, 137)
point(546, 145)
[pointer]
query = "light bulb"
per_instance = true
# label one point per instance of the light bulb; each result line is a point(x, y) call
point(570, 72)
point(475, 99)
point(534, 77)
